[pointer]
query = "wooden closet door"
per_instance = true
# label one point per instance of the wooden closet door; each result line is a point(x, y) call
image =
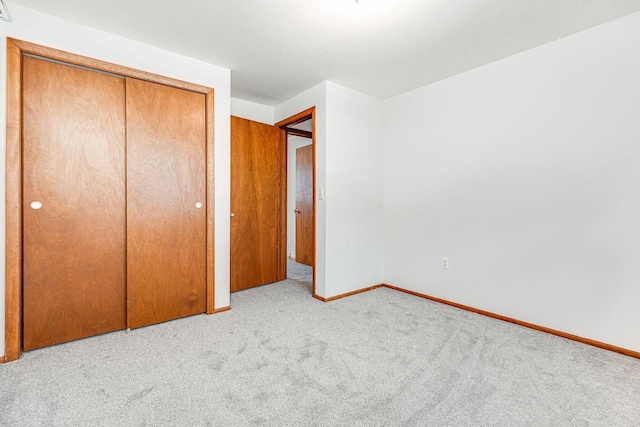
point(256, 171)
point(73, 165)
point(166, 206)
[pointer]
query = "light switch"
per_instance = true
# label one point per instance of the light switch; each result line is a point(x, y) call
point(321, 193)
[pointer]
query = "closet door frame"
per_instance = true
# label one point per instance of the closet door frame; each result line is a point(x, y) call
point(13, 274)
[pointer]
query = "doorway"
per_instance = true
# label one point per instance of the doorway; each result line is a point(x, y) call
point(298, 132)
point(300, 262)
point(264, 209)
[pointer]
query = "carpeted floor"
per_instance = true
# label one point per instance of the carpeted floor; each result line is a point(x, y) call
point(300, 272)
point(282, 358)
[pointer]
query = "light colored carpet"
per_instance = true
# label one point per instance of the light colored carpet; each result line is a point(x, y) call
point(282, 358)
point(298, 271)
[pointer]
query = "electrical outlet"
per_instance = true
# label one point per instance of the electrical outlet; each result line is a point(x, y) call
point(445, 263)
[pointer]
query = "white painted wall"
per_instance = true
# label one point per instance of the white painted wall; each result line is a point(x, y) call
point(314, 97)
point(354, 190)
point(293, 143)
point(49, 31)
point(252, 111)
point(525, 173)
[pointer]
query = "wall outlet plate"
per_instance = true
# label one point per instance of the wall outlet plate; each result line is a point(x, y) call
point(445, 263)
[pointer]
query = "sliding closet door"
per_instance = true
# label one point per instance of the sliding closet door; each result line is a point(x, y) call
point(166, 206)
point(73, 203)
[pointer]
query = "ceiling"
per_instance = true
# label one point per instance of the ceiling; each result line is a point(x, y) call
point(279, 48)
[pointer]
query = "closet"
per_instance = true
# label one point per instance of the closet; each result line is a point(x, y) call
point(114, 202)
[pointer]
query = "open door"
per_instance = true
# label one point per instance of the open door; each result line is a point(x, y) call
point(256, 204)
point(259, 200)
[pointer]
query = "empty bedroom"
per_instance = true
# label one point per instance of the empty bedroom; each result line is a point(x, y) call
point(320, 213)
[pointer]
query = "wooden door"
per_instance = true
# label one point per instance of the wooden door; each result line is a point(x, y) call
point(304, 205)
point(256, 171)
point(73, 203)
point(166, 206)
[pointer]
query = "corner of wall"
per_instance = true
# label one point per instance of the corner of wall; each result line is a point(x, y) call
point(354, 212)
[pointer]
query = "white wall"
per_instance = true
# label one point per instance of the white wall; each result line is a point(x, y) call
point(49, 31)
point(293, 143)
point(525, 173)
point(354, 216)
point(252, 111)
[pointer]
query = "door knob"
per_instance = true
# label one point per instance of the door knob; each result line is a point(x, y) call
point(232, 214)
point(36, 205)
point(296, 211)
point(198, 205)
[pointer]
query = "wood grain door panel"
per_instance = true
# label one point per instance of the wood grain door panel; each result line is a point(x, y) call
point(73, 163)
point(166, 232)
point(256, 167)
point(304, 205)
